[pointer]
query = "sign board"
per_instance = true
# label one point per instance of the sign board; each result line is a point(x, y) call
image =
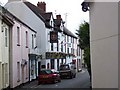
point(54, 55)
point(53, 37)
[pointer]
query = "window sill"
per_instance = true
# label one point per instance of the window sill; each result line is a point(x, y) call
point(26, 46)
point(18, 80)
point(18, 44)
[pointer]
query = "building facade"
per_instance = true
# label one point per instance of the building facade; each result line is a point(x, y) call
point(33, 54)
point(5, 28)
point(70, 47)
point(18, 49)
point(104, 43)
point(31, 18)
point(14, 45)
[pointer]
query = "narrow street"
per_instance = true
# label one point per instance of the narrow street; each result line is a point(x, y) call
point(81, 81)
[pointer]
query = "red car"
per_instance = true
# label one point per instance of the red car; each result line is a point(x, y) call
point(48, 76)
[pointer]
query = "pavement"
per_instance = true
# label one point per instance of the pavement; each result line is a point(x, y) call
point(29, 84)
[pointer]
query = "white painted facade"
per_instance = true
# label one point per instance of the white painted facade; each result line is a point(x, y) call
point(104, 41)
point(48, 46)
point(71, 48)
point(69, 45)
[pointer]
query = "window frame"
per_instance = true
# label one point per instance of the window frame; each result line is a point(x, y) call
point(32, 41)
point(6, 37)
point(26, 39)
point(18, 36)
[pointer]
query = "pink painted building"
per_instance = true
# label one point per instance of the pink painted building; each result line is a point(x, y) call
point(19, 60)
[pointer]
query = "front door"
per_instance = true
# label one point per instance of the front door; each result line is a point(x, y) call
point(39, 67)
point(52, 63)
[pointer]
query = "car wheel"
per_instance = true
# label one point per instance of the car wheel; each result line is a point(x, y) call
point(39, 83)
point(74, 75)
point(54, 81)
point(59, 80)
point(71, 76)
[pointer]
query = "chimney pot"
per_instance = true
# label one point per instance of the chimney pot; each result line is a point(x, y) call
point(42, 6)
point(58, 16)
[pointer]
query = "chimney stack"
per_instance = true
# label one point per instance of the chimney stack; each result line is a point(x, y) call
point(58, 16)
point(42, 6)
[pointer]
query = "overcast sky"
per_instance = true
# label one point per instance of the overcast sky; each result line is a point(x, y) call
point(70, 11)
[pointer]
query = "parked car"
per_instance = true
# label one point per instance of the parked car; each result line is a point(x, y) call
point(48, 76)
point(67, 70)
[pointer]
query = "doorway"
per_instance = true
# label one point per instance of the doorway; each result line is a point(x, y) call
point(39, 67)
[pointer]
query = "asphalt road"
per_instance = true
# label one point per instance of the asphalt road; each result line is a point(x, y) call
point(82, 80)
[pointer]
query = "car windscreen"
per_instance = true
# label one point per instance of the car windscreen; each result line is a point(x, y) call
point(45, 72)
point(64, 67)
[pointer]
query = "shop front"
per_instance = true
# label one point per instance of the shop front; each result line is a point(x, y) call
point(32, 67)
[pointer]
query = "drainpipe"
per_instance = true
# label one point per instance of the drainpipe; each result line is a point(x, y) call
point(29, 68)
point(36, 67)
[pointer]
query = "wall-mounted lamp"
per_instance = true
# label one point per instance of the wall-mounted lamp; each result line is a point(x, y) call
point(2, 30)
point(85, 6)
point(35, 47)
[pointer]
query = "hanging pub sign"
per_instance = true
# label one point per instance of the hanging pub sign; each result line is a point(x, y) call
point(53, 37)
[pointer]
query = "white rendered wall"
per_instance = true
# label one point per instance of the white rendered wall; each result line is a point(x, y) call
point(104, 44)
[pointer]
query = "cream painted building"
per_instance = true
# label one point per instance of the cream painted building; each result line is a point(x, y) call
point(104, 43)
point(5, 27)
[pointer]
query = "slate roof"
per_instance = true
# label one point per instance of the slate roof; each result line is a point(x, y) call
point(9, 16)
point(35, 9)
point(38, 12)
point(45, 17)
point(66, 31)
